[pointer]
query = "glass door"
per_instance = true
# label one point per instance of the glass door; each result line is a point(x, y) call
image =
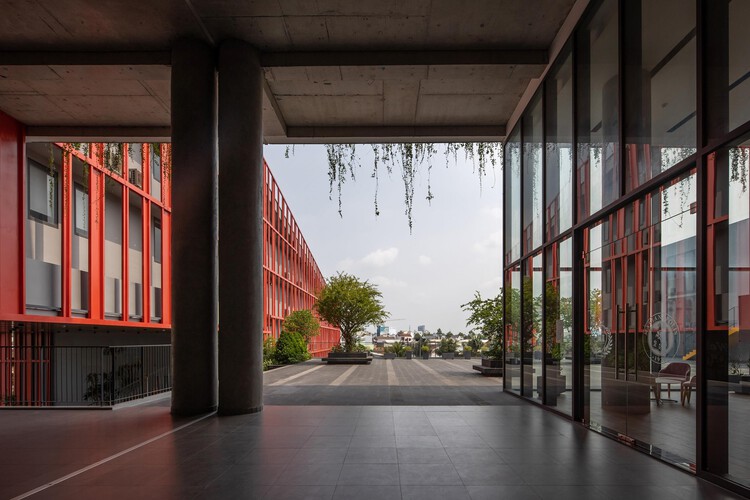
point(640, 338)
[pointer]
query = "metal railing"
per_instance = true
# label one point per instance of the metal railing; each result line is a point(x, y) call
point(82, 376)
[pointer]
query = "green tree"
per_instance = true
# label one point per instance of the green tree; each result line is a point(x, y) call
point(302, 322)
point(350, 304)
point(487, 315)
point(291, 348)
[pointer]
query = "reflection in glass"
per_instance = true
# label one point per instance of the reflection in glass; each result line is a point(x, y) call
point(727, 71)
point(135, 164)
point(559, 150)
point(598, 122)
point(156, 172)
point(512, 196)
point(660, 87)
point(558, 326)
point(156, 263)
point(113, 251)
point(640, 340)
point(728, 337)
point(135, 257)
point(43, 231)
point(512, 297)
point(532, 177)
point(532, 332)
point(79, 255)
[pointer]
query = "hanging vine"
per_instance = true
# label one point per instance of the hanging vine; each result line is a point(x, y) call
point(343, 163)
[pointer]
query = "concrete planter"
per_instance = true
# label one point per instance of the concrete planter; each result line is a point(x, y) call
point(449, 355)
point(492, 363)
point(467, 354)
point(389, 355)
point(348, 358)
point(408, 354)
point(426, 355)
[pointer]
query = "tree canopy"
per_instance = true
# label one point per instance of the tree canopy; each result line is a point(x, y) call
point(302, 322)
point(487, 316)
point(350, 304)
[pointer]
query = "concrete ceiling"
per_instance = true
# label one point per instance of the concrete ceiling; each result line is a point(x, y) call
point(336, 70)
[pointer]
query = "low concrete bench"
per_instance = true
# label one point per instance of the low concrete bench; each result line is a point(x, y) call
point(488, 371)
point(348, 358)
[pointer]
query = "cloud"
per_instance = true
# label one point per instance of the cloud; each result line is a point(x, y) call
point(386, 282)
point(424, 260)
point(491, 243)
point(381, 258)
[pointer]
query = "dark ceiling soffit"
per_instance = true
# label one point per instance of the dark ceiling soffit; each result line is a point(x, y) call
point(321, 135)
point(97, 134)
point(75, 58)
point(403, 58)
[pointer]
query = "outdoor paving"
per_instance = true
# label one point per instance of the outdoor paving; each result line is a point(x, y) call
point(384, 382)
point(511, 450)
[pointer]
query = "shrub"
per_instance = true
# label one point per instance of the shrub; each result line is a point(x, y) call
point(269, 352)
point(425, 348)
point(398, 349)
point(302, 322)
point(447, 345)
point(291, 348)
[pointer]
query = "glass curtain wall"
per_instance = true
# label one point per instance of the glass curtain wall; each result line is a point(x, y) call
point(728, 312)
point(597, 110)
point(558, 326)
point(660, 116)
point(640, 265)
point(512, 295)
point(156, 170)
point(558, 123)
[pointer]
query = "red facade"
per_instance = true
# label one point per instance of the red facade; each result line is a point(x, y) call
point(109, 251)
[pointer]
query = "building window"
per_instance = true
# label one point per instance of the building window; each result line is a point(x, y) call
point(156, 240)
point(42, 193)
point(80, 208)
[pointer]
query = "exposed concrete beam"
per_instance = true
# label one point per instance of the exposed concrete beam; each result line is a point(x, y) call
point(98, 134)
point(330, 135)
point(274, 105)
point(403, 58)
point(82, 58)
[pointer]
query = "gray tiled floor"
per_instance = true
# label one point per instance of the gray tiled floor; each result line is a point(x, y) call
point(483, 444)
point(511, 451)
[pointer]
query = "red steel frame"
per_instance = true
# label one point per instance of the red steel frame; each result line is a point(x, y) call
point(98, 174)
point(291, 277)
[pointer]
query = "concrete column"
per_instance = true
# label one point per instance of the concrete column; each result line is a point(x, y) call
point(194, 229)
point(240, 229)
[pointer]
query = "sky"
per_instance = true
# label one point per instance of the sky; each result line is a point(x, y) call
point(454, 248)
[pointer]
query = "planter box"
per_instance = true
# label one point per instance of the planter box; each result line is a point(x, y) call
point(389, 355)
point(449, 355)
point(348, 358)
point(467, 354)
point(408, 354)
point(490, 367)
point(425, 355)
point(492, 363)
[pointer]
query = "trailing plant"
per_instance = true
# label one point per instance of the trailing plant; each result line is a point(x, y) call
point(343, 163)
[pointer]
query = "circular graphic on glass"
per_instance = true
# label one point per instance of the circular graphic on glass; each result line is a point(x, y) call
point(662, 337)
